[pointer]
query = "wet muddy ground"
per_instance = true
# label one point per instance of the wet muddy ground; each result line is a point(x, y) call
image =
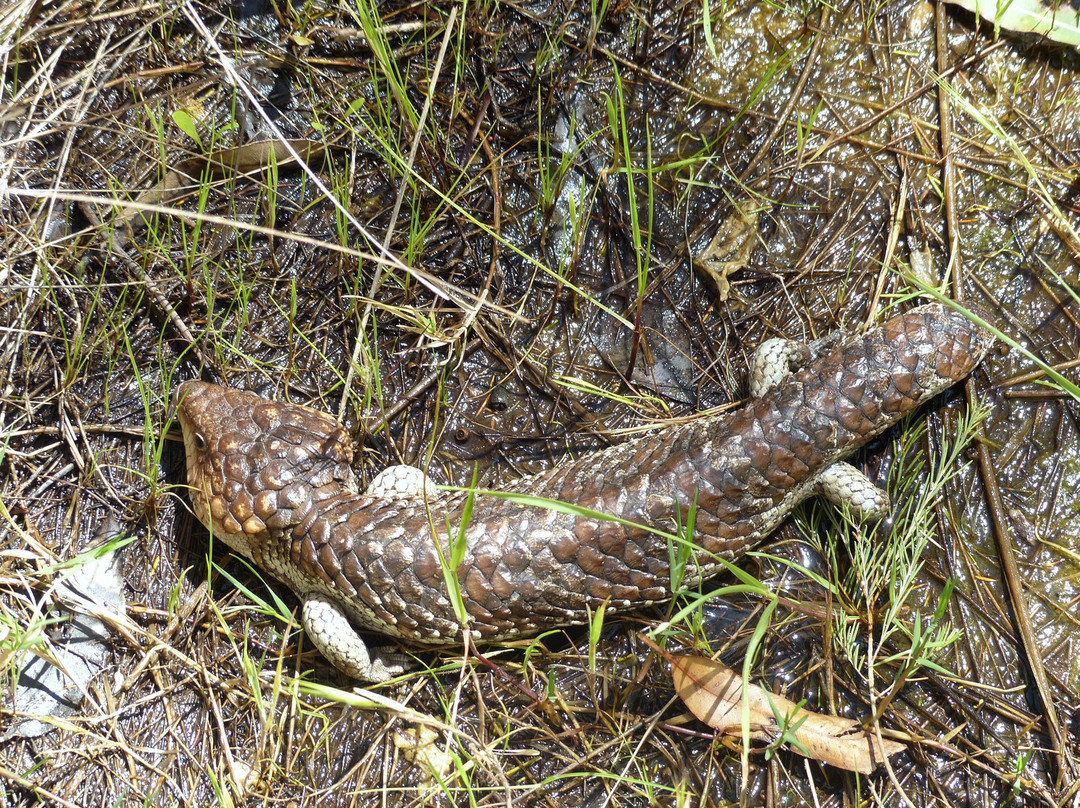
point(516, 233)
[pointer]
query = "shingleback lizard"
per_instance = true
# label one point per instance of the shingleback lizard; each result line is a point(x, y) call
point(274, 482)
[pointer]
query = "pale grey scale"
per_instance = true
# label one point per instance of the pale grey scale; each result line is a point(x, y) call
point(400, 482)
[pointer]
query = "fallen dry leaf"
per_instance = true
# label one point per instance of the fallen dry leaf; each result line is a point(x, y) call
point(186, 175)
point(714, 692)
point(731, 247)
point(1054, 20)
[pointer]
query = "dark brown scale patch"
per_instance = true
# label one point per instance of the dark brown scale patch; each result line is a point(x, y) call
point(368, 596)
point(344, 585)
point(428, 569)
point(380, 581)
point(307, 556)
point(599, 589)
point(527, 593)
point(259, 456)
point(590, 559)
point(351, 567)
point(779, 473)
point(231, 490)
point(501, 585)
point(614, 572)
point(632, 556)
point(946, 366)
point(293, 435)
point(398, 559)
point(564, 548)
point(849, 414)
point(241, 509)
point(267, 416)
point(629, 594)
point(355, 520)
point(476, 586)
point(320, 533)
point(742, 422)
point(329, 561)
point(870, 406)
point(411, 592)
point(642, 580)
point(903, 384)
point(265, 506)
point(853, 386)
point(236, 466)
point(543, 567)
point(758, 452)
point(411, 617)
point(517, 556)
point(584, 532)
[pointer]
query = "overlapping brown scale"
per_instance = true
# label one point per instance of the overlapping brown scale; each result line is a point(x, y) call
point(528, 567)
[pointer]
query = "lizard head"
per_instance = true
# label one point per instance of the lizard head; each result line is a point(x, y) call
point(256, 465)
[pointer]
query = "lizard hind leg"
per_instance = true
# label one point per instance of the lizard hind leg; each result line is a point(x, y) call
point(843, 484)
point(773, 361)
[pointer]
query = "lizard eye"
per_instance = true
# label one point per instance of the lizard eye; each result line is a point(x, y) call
point(200, 441)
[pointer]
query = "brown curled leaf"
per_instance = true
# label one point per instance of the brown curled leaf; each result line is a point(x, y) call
point(731, 247)
point(713, 693)
point(184, 177)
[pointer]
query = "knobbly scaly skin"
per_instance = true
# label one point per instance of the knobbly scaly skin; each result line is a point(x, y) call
point(274, 481)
